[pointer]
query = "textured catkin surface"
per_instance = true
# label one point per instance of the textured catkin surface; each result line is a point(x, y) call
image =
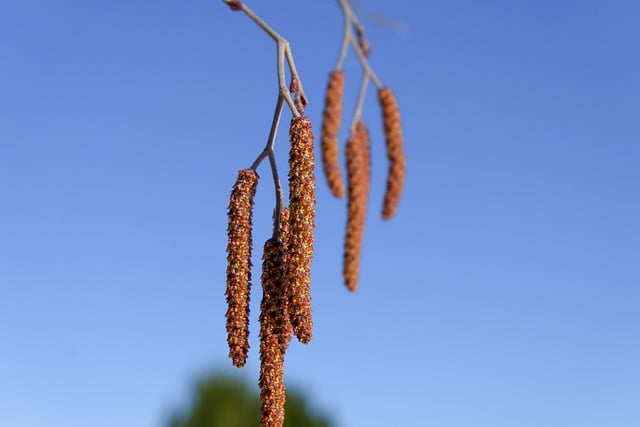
point(239, 265)
point(274, 330)
point(395, 153)
point(302, 201)
point(358, 183)
point(330, 127)
point(284, 337)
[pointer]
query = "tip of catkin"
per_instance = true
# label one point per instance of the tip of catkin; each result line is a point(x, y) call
point(239, 265)
point(330, 126)
point(395, 153)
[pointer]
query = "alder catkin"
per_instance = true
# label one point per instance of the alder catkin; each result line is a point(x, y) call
point(301, 226)
point(239, 265)
point(358, 182)
point(330, 127)
point(395, 154)
point(273, 327)
point(285, 337)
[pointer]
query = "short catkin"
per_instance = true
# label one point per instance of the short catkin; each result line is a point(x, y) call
point(330, 127)
point(301, 226)
point(395, 153)
point(239, 265)
point(358, 155)
point(273, 327)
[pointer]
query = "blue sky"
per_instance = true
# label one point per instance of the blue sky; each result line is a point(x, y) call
point(505, 292)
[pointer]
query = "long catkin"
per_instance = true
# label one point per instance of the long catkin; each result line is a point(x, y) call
point(273, 327)
point(284, 336)
point(358, 183)
point(301, 226)
point(239, 265)
point(330, 127)
point(395, 154)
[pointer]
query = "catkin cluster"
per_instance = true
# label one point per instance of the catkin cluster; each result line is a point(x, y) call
point(285, 308)
point(359, 170)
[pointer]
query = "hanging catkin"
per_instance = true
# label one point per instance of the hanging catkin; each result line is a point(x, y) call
point(239, 265)
point(301, 226)
point(358, 183)
point(284, 336)
point(273, 329)
point(330, 127)
point(395, 154)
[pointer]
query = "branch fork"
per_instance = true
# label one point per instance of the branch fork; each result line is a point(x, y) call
point(292, 94)
point(354, 36)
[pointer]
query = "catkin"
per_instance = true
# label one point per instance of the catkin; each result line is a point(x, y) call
point(358, 182)
point(395, 154)
point(285, 336)
point(330, 127)
point(301, 226)
point(239, 265)
point(273, 327)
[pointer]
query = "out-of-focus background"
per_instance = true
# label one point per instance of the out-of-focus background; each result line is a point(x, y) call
point(505, 292)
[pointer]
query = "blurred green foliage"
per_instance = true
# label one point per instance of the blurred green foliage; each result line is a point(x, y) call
point(223, 400)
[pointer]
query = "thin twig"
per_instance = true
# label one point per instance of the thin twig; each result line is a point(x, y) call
point(358, 43)
point(283, 49)
point(268, 152)
point(365, 64)
point(346, 36)
point(279, 197)
point(358, 111)
point(296, 105)
point(296, 83)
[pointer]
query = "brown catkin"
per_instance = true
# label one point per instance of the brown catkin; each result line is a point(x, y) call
point(330, 127)
point(358, 182)
point(395, 154)
point(239, 265)
point(285, 336)
point(301, 226)
point(273, 327)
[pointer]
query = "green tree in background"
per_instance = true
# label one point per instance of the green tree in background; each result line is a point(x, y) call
point(222, 400)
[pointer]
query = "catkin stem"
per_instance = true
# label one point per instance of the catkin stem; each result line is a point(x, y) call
point(351, 22)
point(283, 50)
point(361, 95)
point(269, 152)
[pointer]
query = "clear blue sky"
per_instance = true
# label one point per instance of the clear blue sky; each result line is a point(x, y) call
point(506, 293)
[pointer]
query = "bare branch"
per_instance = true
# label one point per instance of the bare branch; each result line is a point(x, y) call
point(357, 41)
point(284, 50)
point(296, 104)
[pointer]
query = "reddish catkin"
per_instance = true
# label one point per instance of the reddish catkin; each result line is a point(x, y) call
point(358, 183)
point(239, 265)
point(301, 226)
point(395, 154)
point(273, 326)
point(285, 337)
point(330, 127)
